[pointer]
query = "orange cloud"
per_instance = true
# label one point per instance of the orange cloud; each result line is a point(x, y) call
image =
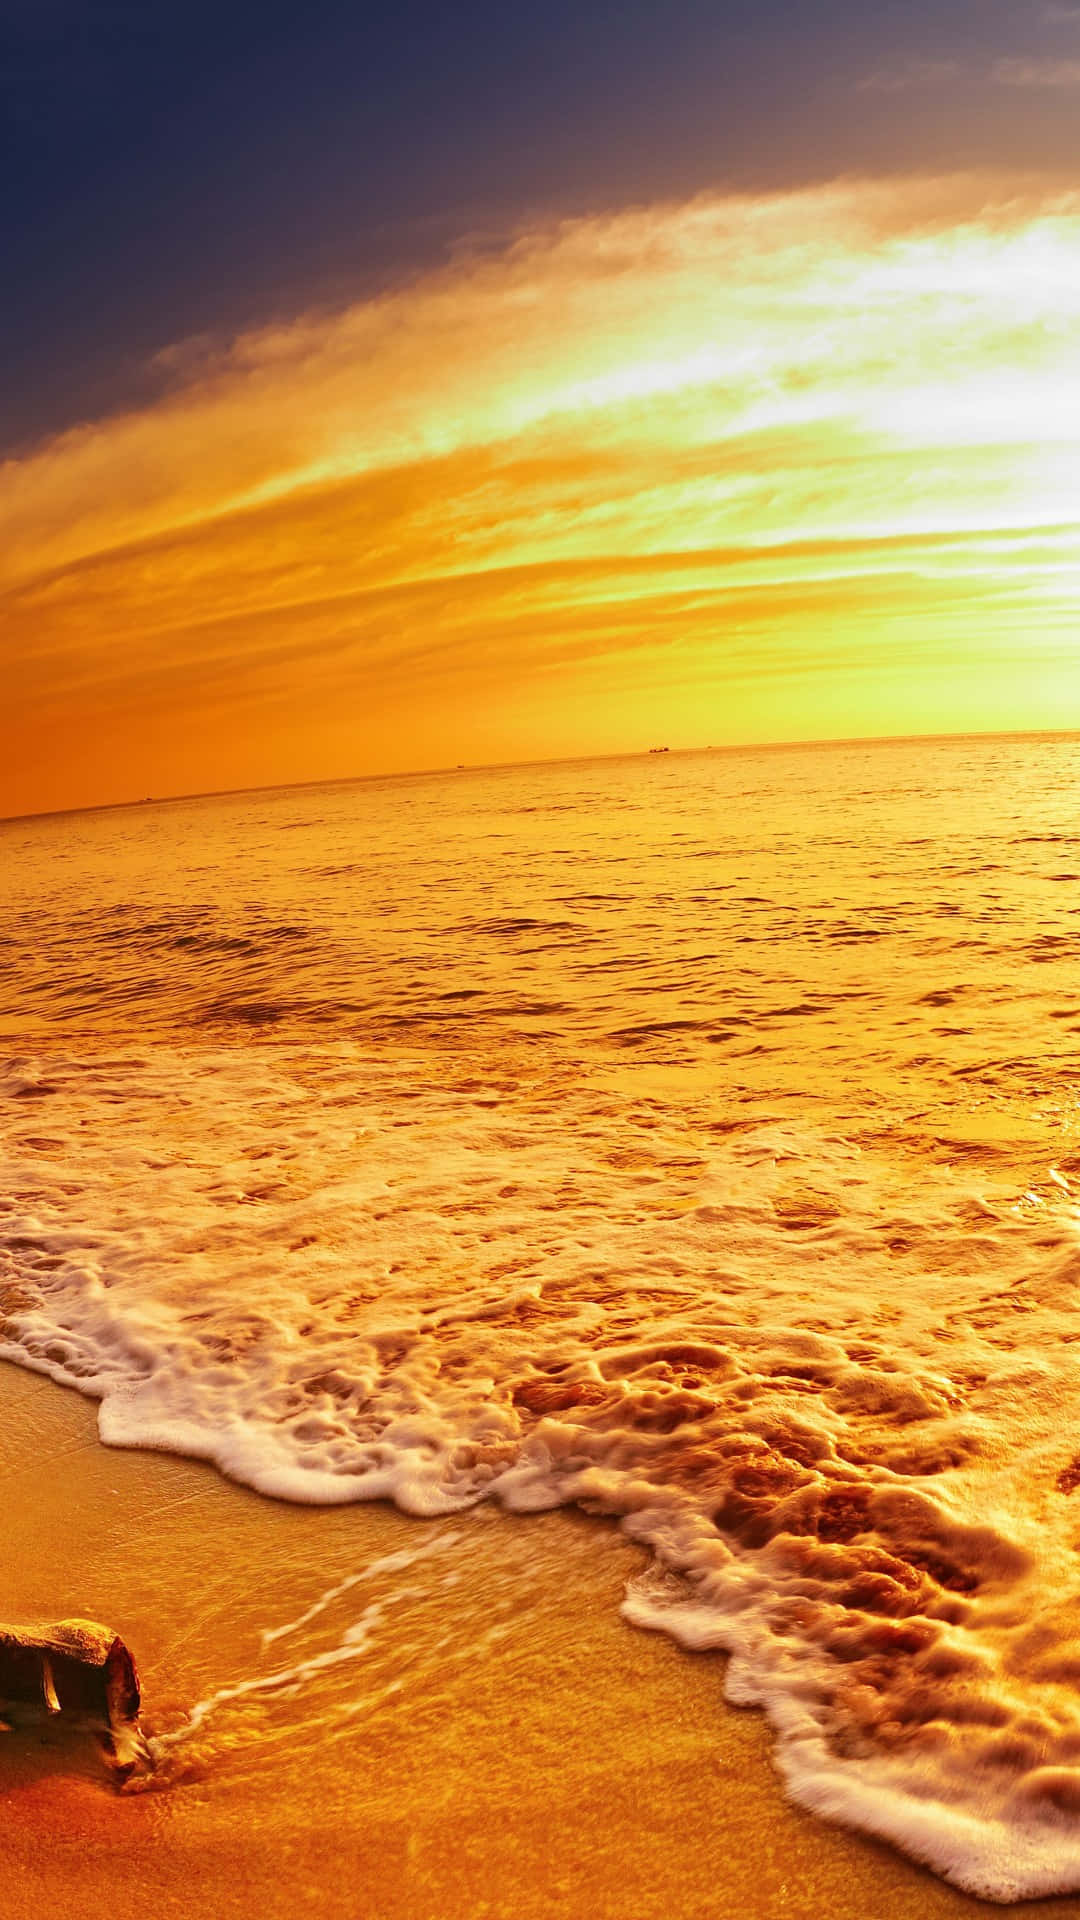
point(745, 468)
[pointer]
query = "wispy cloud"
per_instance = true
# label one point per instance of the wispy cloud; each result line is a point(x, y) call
point(541, 499)
point(1014, 70)
point(1025, 72)
point(908, 74)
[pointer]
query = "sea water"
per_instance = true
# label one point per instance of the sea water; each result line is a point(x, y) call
point(691, 1138)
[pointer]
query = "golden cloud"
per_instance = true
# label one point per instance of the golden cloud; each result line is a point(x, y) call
point(805, 458)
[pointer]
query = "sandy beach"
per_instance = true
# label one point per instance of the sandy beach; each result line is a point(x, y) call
point(504, 1744)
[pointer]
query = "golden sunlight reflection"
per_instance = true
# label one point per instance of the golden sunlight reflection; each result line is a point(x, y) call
point(746, 468)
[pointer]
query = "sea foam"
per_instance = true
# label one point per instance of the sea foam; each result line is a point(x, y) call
point(833, 1399)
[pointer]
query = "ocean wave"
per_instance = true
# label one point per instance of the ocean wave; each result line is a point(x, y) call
point(830, 1386)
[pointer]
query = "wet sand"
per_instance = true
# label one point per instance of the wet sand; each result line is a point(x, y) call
point(501, 1744)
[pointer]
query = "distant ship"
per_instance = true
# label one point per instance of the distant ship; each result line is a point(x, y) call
point(659, 749)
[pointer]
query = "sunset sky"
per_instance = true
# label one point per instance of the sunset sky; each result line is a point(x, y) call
point(483, 383)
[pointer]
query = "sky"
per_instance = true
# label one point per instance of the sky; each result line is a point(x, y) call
point(383, 389)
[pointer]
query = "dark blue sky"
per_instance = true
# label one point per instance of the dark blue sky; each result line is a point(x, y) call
point(171, 170)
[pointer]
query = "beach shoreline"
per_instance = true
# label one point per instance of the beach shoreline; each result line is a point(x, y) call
point(503, 1744)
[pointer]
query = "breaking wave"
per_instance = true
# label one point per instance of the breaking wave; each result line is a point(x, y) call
point(698, 1147)
point(831, 1389)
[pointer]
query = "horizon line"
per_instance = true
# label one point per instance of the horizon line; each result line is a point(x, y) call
point(554, 760)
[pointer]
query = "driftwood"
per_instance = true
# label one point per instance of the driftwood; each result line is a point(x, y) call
point(82, 1670)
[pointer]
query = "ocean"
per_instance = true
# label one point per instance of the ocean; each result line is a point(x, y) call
point(688, 1138)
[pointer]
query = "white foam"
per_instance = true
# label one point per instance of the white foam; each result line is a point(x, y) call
point(851, 1486)
point(383, 1564)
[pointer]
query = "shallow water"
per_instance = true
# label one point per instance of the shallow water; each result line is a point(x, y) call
point(693, 1138)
